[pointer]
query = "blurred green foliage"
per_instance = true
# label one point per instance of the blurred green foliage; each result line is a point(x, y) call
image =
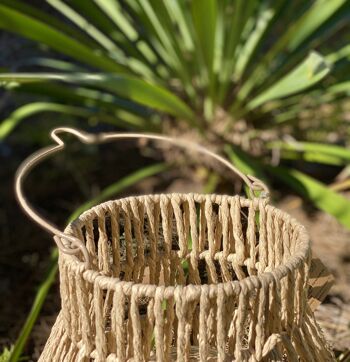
point(239, 72)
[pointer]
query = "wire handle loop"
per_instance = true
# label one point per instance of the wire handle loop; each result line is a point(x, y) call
point(70, 244)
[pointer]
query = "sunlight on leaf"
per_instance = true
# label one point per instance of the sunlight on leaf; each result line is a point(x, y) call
point(317, 192)
point(256, 35)
point(313, 69)
point(314, 152)
point(130, 87)
point(339, 55)
point(318, 14)
point(204, 14)
point(5, 354)
point(21, 113)
point(13, 20)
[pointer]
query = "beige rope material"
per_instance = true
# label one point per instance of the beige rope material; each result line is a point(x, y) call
point(208, 300)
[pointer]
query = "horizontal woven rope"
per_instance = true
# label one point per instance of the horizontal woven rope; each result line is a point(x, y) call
point(186, 277)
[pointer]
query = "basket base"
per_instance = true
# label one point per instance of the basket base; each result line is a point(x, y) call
point(60, 348)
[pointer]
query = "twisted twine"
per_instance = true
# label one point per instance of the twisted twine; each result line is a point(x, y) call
point(186, 277)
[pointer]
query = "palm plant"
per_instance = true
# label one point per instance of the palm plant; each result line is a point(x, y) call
point(242, 74)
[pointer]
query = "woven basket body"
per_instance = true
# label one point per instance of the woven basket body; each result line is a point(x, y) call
point(186, 277)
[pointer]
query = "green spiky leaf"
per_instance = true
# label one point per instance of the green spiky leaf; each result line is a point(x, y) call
point(317, 192)
point(313, 69)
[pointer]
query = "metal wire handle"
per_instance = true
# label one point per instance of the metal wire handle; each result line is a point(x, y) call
point(72, 244)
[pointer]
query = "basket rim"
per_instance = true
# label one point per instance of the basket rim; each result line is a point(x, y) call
point(192, 291)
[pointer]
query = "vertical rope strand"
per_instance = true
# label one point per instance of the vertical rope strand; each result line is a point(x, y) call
point(136, 326)
point(118, 313)
point(115, 238)
point(100, 339)
point(203, 313)
point(221, 330)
